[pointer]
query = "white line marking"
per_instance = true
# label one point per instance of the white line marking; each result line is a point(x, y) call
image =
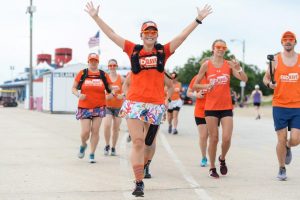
point(186, 175)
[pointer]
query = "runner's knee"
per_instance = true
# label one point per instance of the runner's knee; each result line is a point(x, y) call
point(294, 142)
point(138, 143)
point(95, 131)
point(213, 139)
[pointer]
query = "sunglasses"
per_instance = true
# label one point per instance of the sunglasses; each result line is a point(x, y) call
point(150, 32)
point(112, 65)
point(288, 40)
point(221, 47)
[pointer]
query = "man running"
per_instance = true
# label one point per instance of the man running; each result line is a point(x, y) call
point(286, 100)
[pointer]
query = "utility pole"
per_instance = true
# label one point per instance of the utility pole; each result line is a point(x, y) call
point(242, 83)
point(30, 9)
point(12, 68)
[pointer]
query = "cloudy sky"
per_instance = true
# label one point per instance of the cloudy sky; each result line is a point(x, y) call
point(64, 23)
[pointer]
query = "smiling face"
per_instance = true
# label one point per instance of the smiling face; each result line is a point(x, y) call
point(219, 48)
point(149, 33)
point(112, 65)
point(149, 36)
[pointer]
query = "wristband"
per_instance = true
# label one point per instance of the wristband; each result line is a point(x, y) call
point(240, 70)
point(198, 21)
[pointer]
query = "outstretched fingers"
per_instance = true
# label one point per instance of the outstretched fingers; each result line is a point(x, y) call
point(90, 9)
point(204, 12)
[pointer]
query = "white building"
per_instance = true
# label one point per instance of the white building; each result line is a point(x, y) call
point(57, 88)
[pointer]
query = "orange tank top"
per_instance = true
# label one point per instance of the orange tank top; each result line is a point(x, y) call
point(287, 91)
point(199, 105)
point(117, 88)
point(219, 97)
point(176, 93)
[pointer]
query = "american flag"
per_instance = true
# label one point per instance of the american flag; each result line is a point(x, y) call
point(94, 41)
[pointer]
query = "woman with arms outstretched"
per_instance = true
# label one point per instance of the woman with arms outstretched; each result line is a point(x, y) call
point(145, 100)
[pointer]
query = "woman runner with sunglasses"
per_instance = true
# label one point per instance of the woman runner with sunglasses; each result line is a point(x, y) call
point(114, 102)
point(218, 104)
point(145, 104)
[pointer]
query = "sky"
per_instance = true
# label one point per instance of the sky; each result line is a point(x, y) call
point(58, 24)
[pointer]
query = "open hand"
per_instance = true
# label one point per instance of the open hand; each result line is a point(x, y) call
point(91, 10)
point(204, 12)
point(234, 64)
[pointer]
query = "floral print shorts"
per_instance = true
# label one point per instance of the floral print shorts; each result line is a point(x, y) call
point(147, 112)
point(89, 113)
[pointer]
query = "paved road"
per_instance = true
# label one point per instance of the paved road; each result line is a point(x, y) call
point(38, 161)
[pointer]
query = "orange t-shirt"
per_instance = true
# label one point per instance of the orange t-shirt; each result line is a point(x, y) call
point(200, 103)
point(219, 97)
point(287, 91)
point(176, 93)
point(117, 88)
point(93, 89)
point(148, 85)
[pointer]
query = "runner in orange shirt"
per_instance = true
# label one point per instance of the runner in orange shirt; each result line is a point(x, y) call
point(174, 105)
point(286, 100)
point(91, 83)
point(145, 104)
point(218, 104)
point(150, 139)
point(114, 102)
point(200, 116)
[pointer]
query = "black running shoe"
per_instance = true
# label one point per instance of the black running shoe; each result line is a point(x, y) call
point(147, 172)
point(170, 129)
point(175, 132)
point(223, 167)
point(213, 173)
point(139, 189)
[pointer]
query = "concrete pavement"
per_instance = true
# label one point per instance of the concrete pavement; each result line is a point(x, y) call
point(39, 161)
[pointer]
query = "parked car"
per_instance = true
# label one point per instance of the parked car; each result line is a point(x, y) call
point(8, 98)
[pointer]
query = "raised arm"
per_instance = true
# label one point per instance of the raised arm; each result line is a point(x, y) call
point(177, 41)
point(93, 12)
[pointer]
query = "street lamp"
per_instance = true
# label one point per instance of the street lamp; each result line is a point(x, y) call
point(242, 83)
point(30, 9)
